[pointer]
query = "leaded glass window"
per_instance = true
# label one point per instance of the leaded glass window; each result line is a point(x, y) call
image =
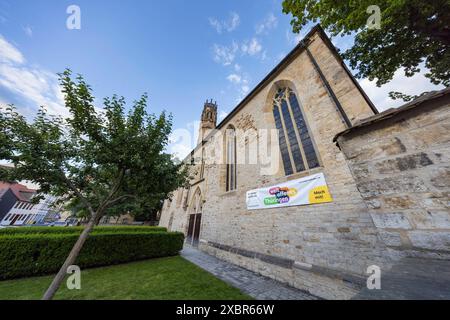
point(296, 146)
point(231, 159)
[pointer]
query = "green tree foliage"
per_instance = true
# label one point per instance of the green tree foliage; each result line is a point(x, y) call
point(411, 32)
point(96, 158)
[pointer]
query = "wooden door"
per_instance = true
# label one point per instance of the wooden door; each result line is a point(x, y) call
point(190, 228)
point(196, 237)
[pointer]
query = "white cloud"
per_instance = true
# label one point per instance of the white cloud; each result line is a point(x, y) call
point(29, 83)
point(240, 82)
point(28, 31)
point(225, 55)
point(225, 25)
point(183, 140)
point(270, 22)
point(251, 47)
point(244, 89)
point(216, 24)
point(222, 115)
point(400, 83)
point(294, 38)
point(264, 55)
point(234, 78)
point(9, 53)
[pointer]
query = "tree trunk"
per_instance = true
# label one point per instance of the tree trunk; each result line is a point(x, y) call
point(54, 286)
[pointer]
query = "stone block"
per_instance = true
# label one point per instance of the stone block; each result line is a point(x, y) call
point(399, 202)
point(390, 220)
point(440, 178)
point(430, 219)
point(434, 240)
point(404, 163)
point(378, 150)
point(429, 135)
point(392, 185)
point(392, 239)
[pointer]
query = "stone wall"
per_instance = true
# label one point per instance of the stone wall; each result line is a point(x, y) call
point(324, 248)
point(401, 165)
point(389, 178)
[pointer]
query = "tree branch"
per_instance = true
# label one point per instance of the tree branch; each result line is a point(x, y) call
point(117, 184)
point(78, 193)
point(119, 199)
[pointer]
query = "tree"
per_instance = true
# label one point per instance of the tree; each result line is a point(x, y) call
point(142, 210)
point(100, 158)
point(411, 32)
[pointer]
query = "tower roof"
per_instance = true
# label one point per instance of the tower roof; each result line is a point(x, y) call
point(210, 103)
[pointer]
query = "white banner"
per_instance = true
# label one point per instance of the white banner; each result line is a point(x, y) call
point(308, 190)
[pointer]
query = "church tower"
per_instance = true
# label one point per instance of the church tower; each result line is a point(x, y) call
point(209, 119)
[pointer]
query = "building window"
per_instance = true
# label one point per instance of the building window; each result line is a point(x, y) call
point(186, 199)
point(179, 196)
point(230, 144)
point(297, 150)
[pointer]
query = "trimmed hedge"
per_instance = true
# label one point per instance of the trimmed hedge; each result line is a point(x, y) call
point(26, 255)
point(77, 230)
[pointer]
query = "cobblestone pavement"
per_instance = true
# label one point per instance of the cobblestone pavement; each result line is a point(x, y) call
point(413, 279)
point(251, 283)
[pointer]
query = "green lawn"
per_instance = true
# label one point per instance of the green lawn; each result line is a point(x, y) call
point(155, 279)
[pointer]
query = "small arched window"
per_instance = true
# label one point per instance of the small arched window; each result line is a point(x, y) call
point(179, 196)
point(197, 205)
point(230, 143)
point(297, 149)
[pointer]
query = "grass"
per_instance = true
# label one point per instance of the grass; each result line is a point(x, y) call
point(172, 278)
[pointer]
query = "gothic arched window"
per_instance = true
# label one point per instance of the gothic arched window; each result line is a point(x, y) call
point(297, 149)
point(197, 204)
point(230, 143)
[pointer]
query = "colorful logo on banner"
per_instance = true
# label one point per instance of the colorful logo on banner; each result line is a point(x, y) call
point(280, 195)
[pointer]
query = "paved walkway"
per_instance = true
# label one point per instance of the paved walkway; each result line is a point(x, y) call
point(413, 279)
point(408, 279)
point(251, 283)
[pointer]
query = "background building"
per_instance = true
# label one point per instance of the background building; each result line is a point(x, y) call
point(16, 208)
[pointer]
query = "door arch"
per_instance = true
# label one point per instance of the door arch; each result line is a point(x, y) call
point(195, 218)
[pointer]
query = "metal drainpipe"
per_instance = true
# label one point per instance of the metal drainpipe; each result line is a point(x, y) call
point(329, 89)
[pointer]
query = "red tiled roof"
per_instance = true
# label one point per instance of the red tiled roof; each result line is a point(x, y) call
point(21, 192)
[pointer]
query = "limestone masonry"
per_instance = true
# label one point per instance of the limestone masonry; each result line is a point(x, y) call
point(388, 175)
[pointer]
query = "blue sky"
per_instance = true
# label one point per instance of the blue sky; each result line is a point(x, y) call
point(180, 52)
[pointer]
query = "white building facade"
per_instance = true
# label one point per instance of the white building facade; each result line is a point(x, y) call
point(27, 213)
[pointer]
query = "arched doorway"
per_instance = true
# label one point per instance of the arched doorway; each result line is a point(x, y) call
point(195, 218)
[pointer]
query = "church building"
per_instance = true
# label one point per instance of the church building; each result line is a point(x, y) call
point(307, 183)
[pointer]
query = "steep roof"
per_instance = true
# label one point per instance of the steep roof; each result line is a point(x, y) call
point(394, 111)
point(21, 192)
point(298, 49)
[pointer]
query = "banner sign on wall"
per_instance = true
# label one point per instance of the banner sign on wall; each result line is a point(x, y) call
point(308, 190)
